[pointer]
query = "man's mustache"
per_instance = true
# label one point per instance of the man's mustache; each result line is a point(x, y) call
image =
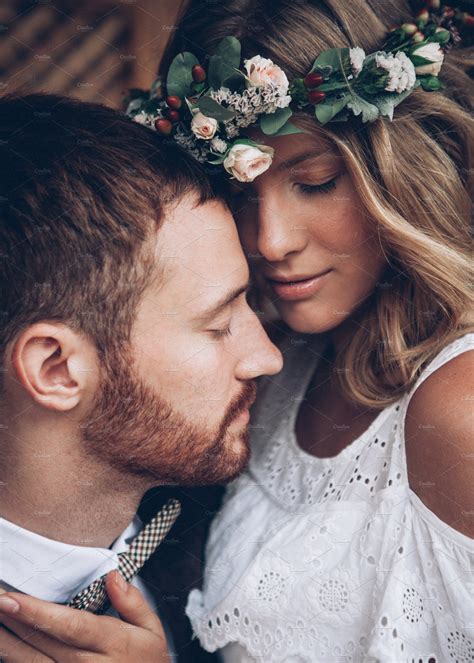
point(245, 400)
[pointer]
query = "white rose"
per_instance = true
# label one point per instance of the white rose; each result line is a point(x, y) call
point(203, 126)
point(262, 72)
point(246, 162)
point(433, 52)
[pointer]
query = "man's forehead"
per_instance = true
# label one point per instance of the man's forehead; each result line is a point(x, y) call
point(199, 252)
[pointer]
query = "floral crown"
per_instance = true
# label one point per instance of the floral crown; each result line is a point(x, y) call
point(204, 109)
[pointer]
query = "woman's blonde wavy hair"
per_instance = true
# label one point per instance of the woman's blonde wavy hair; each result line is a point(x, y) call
point(413, 176)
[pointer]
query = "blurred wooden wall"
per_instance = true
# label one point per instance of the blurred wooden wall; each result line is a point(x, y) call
point(93, 50)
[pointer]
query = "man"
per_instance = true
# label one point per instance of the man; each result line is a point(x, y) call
point(128, 349)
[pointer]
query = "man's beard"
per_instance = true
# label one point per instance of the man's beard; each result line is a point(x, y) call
point(139, 433)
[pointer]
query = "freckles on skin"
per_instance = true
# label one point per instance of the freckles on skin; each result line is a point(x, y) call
point(201, 259)
point(318, 231)
point(343, 239)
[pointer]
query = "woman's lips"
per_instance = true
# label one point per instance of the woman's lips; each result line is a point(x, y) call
point(299, 288)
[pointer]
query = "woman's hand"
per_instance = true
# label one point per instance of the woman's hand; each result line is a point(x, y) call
point(43, 632)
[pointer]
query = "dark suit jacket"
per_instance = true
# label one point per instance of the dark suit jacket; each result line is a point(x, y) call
point(177, 565)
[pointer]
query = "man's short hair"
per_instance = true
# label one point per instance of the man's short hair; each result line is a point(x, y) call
point(81, 187)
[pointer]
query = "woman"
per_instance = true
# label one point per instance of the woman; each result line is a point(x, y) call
point(350, 535)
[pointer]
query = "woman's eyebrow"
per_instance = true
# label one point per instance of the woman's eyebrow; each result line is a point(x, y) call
point(304, 156)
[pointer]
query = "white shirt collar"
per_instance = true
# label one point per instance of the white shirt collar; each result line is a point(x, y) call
point(52, 570)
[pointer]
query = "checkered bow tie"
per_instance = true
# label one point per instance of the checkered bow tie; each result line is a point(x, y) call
point(94, 598)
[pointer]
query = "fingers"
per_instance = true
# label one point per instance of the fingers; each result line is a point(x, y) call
point(13, 650)
point(34, 638)
point(76, 628)
point(131, 605)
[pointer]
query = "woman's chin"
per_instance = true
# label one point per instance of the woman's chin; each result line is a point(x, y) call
point(308, 319)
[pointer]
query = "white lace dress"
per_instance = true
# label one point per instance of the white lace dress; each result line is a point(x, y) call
point(332, 559)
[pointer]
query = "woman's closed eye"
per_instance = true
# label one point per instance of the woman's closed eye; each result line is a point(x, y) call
point(312, 189)
point(220, 333)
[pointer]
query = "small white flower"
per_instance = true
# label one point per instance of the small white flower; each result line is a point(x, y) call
point(203, 127)
point(218, 145)
point(246, 162)
point(141, 118)
point(357, 57)
point(432, 52)
point(262, 71)
point(401, 72)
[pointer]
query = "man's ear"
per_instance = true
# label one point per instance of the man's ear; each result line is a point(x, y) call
point(55, 365)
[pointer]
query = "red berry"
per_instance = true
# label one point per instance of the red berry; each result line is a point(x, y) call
point(448, 12)
point(409, 28)
point(418, 37)
point(468, 19)
point(316, 96)
point(163, 126)
point(313, 80)
point(173, 115)
point(198, 73)
point(423, 16)
point(174, 102)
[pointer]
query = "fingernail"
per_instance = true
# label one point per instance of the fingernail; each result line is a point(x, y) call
point(8, 605)
point(121, 582)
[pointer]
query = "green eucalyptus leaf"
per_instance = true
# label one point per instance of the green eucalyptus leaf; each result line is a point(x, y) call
point(211, 108)
point(386, 103)
point(298, 92)
point(418, 60)
point(214, 75)
point(343, 116)
point(330, 61)
point(218, 71)
point(273, 122)
point(360, 106)
point(332, 86)
point(327, 110)
point(288, 129)
point(430, 83)
point(441, 37)
point(230, 51)
point(236, 81)
point(180, 78)
point(199, 87)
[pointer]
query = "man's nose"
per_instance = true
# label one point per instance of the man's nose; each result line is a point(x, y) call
point(260, 356)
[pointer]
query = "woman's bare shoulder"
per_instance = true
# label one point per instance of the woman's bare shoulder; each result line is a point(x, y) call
point(439, 438)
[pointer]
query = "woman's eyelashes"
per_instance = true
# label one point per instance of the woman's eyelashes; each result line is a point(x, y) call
point(220, 333)
point(312, 189)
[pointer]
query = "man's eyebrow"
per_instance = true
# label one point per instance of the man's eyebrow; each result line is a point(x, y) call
point(304, 156)
point(227, 299)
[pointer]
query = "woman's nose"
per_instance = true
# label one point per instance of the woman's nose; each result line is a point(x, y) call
point(278, 232)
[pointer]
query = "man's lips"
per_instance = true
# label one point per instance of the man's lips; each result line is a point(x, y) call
point(296, 287)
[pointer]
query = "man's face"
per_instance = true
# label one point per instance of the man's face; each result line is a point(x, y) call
point(176, 409)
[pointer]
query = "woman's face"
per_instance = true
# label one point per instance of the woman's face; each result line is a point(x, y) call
point(302, 225)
